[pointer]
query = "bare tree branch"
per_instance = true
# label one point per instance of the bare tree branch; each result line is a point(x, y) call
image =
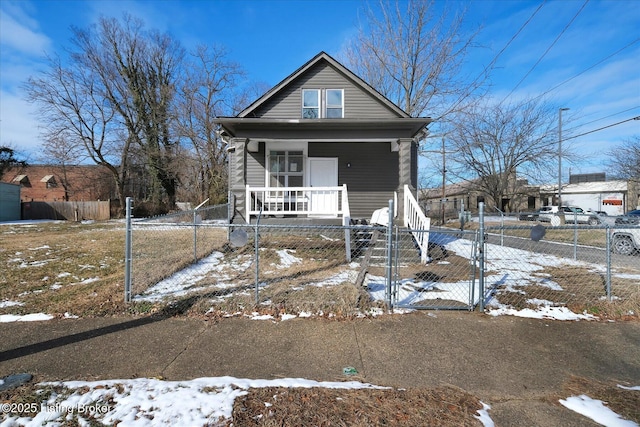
point(414, 55)
point(496, 145)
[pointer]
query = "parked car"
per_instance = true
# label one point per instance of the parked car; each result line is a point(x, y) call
point(571, 214)
point(529, 216)
point(632, 217)
point(626, 241)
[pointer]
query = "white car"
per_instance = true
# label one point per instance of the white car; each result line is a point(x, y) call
point(626, 241)
point(572, 214)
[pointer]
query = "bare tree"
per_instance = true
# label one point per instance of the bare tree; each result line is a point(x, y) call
point(9, 160)
point(139, 71)
point(413, 54)
point(113, 94)
point(72, 103)
point(624, 161)
point(496, 145)
point(63, 154)
point(206, 93)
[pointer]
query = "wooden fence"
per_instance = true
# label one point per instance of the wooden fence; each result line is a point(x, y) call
point(70, 211)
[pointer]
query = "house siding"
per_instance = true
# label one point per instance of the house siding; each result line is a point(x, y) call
point(256, 167)
point(9, 202)
point(357, 103)
point(372, 178)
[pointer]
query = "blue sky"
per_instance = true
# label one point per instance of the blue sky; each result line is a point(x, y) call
point(271, 39)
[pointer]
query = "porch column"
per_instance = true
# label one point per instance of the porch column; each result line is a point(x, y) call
point(404, 170)
point(237, 174)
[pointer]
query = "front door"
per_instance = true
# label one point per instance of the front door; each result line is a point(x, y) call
point(323, 172)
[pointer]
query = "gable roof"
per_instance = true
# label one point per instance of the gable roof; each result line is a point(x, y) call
point(322, 56)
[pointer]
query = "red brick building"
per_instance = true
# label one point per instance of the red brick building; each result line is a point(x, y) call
point(48, 183)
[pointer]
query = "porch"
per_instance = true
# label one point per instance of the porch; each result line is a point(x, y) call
point(329, 205)
point(324, 203)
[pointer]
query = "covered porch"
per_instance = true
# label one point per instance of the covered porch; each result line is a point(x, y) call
point(299, 202)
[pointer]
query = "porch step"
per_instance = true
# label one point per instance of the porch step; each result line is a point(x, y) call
point(373, 243)
point(371, 249)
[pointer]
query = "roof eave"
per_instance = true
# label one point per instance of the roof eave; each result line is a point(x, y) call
point(410, 127)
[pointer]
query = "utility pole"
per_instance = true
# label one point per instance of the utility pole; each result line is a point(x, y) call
point(444, 172)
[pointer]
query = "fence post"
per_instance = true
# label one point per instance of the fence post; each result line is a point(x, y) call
point(608, 249)
point(195, 231)
point(257, 255)
point(389, 252)
point(481, 254)
point(195, 238)
point(127, 252)
point(575, 236)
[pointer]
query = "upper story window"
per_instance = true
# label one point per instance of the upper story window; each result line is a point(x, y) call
point(335, 103)
point(322, 103)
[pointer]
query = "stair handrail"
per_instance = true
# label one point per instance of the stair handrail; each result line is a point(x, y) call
point(417, 222)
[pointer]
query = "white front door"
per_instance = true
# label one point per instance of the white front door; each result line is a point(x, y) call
point(323, 172)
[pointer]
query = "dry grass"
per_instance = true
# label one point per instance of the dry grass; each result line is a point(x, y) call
point(583, 290)
point(61, 267)
point(625, 403)
point(46, 267)
point(159, 251)
point(445, 406)
point(442, 406)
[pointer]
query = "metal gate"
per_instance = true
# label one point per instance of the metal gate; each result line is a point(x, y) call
point(450, 280)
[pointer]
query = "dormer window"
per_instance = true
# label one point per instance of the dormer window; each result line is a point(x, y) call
point(322, 103)
point(50, 181)
point(23, 180)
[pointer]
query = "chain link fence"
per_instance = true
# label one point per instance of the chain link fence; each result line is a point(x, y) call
point(574, 266)
point(197, 263)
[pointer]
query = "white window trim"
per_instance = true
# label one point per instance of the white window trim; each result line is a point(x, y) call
point(284, 146)
point(319, 97)
point(341, 101)
point(322, 102)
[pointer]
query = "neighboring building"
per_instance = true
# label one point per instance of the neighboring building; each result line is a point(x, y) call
point(9, 202)
point(321, 144)
point(613, 197)
point(447, 202)
point(47, 183)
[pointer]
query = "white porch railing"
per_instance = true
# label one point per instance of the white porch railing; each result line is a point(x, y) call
point(321, 202)
point(417, 222)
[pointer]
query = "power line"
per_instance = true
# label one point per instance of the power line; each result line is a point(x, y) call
point(495, 58)
point(547, 51)
point(587, 69)
point(602, 118)
point(604, 127)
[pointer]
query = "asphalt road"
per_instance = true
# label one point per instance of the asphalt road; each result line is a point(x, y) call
point(590, 254)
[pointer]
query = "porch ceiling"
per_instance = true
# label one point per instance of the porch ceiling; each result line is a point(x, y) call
point(349, 128)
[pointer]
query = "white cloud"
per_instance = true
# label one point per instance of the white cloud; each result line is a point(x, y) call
point(20, 32)
point(18, 125)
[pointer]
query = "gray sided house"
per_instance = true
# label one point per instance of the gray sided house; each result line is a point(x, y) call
point(321, 145)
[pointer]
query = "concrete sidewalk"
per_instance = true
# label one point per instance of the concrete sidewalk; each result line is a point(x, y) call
point(508, 362)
